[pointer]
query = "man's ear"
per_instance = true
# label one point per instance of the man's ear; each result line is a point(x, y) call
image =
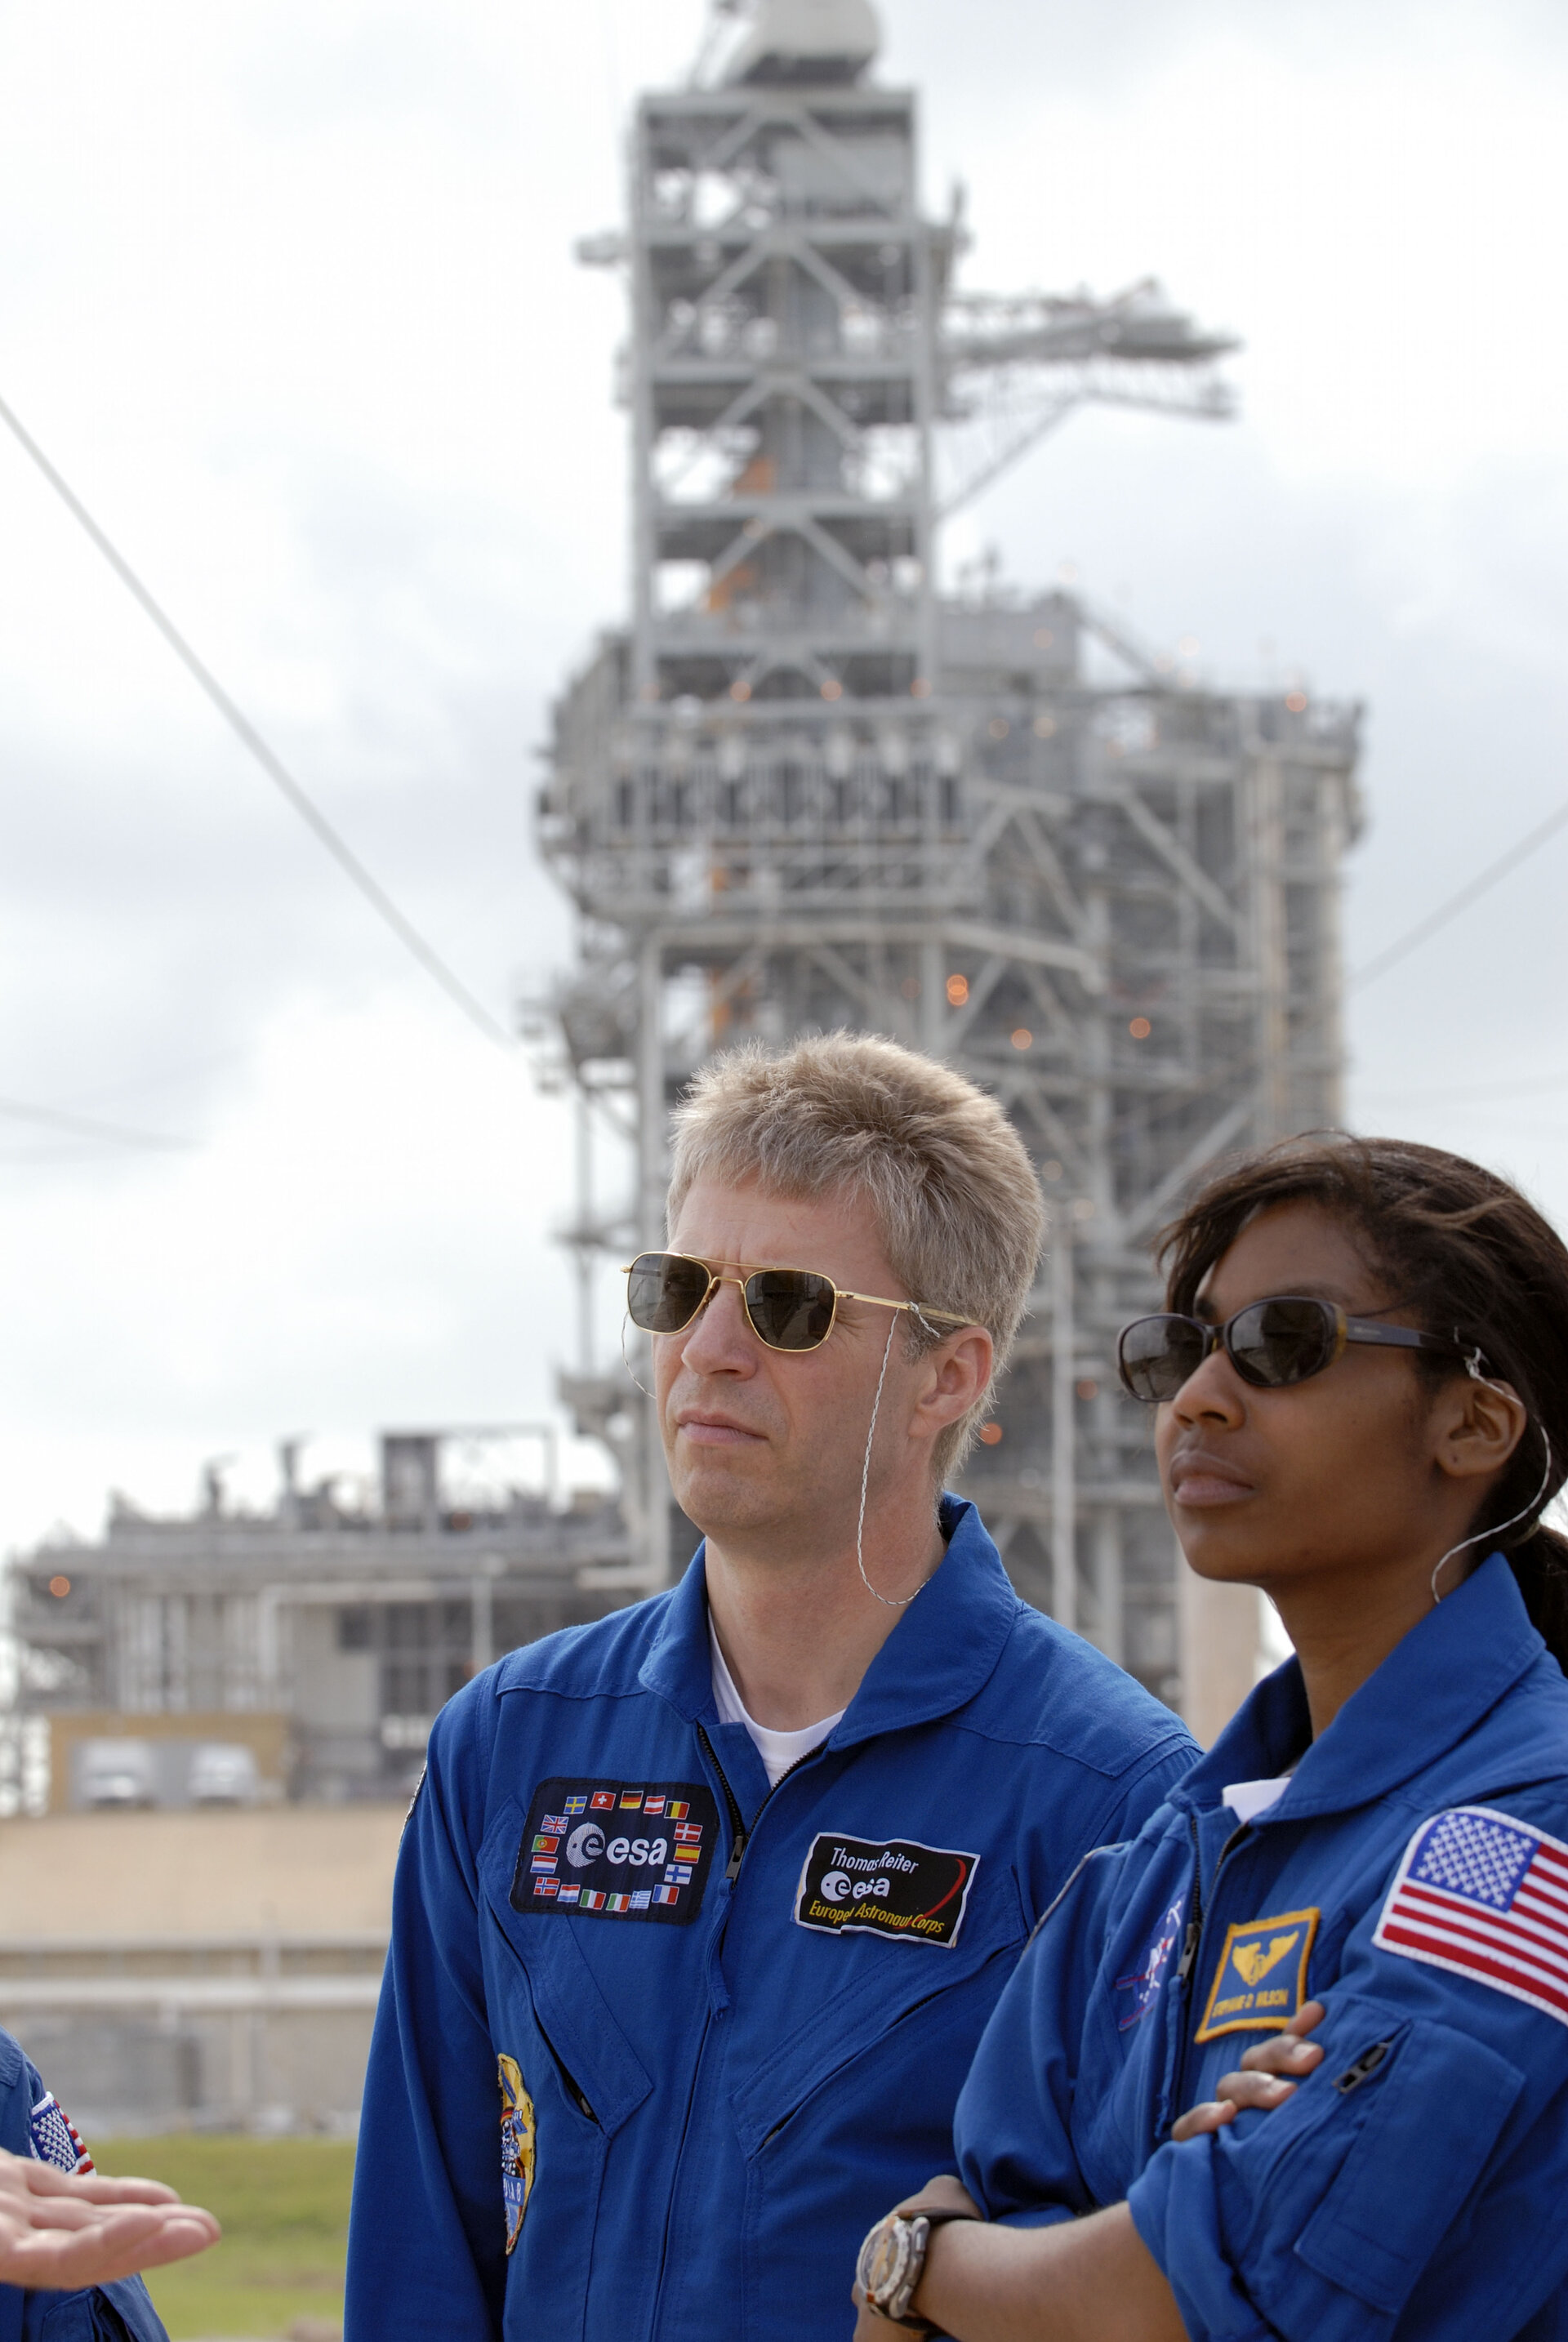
point(952, 1378)
point(1478, 1424)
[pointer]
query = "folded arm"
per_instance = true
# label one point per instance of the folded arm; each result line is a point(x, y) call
point(1087, 2280)
point(1091, 2279)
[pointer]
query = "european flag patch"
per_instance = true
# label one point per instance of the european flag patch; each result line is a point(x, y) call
point(1260, 1981)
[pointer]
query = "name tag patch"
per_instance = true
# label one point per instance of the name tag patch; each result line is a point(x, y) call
point(1260, 1981)
point(885, 1886)
point(616, 1849)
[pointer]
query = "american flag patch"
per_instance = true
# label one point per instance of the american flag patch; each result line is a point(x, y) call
point(1480, 1894)
point(54, 2137)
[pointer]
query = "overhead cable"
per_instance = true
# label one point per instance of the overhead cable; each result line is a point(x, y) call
point(1475, 888)
point(82, 1126)
point(244, 731)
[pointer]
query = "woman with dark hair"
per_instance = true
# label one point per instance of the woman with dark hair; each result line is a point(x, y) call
point(1342, 1945)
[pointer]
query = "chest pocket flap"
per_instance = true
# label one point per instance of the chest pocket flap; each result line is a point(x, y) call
point(856, 2010)
point(1435, 2117)
point(569, 2008)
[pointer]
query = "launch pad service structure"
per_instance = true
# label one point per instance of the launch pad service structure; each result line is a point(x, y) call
point(805, 788)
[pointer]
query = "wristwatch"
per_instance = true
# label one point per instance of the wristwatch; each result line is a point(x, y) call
point(893, 2262)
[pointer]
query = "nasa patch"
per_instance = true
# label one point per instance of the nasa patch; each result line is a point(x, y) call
point(1144, 1985)
point(885, 1886)
point(1260, 1981)
point(55, 2139)
point(617, 1849)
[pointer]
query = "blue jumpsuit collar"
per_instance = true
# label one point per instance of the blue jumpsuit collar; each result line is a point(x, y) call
point(1450, 1668)
point(942, 1649)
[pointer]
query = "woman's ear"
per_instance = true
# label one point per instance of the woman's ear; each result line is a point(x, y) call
point(1478, 1424)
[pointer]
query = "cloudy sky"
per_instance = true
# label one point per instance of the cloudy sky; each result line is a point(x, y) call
point(286, 291)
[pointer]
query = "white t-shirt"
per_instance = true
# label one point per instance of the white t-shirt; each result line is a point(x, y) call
point(778, 1750)
point(1248, 1800)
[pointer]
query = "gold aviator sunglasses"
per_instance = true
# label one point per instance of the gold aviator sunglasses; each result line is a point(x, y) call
point(786, 1309)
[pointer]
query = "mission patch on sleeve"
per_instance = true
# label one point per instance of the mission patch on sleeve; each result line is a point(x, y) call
point(885, 1886)
point(616, 1849)
point(519, 2145)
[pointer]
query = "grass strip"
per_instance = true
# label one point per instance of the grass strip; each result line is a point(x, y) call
point(284, 2205)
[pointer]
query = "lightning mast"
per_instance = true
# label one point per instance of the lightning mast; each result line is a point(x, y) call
point(803, 789)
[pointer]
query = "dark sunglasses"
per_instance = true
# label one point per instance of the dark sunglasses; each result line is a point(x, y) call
point(1270, 1344)
point(787, 1308)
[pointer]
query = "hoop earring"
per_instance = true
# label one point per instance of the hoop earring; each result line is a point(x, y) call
point(890, 1601)
point(626, 1361)
point(1481, 1535)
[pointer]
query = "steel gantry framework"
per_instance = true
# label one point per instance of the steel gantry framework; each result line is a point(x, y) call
point(805, 790)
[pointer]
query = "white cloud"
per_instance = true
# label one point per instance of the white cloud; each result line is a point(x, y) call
point(288, 294)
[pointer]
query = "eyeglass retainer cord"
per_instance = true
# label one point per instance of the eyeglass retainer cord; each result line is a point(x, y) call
point(890, 1601)
point(626, 1361)
point(1472, 1369)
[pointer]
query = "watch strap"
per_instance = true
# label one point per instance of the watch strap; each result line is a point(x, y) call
point(935, 2216)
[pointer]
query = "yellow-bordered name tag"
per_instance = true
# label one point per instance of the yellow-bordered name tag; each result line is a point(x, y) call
point(1260, 1981)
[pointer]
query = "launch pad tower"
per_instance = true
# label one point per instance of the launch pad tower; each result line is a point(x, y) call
point(805, 789)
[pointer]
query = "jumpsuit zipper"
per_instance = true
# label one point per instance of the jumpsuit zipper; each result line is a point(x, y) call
point(740, 1836)
point(1190, 1944)
point(740, 1839)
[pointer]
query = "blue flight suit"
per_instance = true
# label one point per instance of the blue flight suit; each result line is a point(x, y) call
point(1414, 1878)
point(706, 2083)
point(120, 2312)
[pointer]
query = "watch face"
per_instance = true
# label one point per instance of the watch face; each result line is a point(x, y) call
point(887, 2260)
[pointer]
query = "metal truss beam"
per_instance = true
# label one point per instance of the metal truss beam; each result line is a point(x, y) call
point(817, 794)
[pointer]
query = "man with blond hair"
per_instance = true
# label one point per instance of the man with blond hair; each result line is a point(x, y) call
point(700, 1909)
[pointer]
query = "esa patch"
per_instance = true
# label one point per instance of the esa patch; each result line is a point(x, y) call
point(1486, 1897)
point(617, 1849)
point(1260, 1981)
point(885, 1886)
point(55, 2139)
point(518, 2148)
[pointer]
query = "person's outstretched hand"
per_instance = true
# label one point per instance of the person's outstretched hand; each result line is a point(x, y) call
point(60, 2232)
point(1262, 2080)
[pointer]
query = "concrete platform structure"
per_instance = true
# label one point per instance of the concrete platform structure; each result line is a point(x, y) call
point(326, 1632)
point(167, 1970)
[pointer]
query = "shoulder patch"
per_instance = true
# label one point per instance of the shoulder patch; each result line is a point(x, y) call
point(1484, 1897)
point(1260, 1981)
point(54, 2137)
